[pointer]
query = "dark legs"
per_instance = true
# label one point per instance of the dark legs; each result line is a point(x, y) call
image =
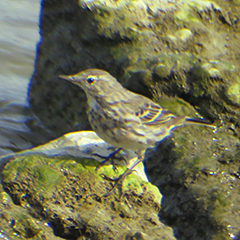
point(110, 157)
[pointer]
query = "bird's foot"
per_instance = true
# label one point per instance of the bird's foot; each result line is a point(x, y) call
point(111, 157)
point(119, 181)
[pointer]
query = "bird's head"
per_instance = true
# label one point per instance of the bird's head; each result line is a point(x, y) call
point(94, 82)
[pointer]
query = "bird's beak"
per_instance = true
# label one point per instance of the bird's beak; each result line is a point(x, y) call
point(67, 77)
point(75, 79)
point(71, 78)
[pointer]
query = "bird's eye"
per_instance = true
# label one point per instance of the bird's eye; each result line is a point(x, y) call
point(90, 80)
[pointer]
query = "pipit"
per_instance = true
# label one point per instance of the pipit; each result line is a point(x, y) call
point(124, 119)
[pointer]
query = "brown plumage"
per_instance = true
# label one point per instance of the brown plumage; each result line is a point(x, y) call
point(122, 118)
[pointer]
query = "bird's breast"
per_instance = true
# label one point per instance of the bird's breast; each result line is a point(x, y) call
point(115, 129)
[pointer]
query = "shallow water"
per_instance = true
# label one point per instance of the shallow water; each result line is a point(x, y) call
point(19, 35)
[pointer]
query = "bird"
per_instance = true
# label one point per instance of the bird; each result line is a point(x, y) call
point(124, 119)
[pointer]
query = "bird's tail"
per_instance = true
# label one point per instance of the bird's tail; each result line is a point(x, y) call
point(199, 121)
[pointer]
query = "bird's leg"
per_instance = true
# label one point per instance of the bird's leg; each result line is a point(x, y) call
point(110, 157)
point(120, 179)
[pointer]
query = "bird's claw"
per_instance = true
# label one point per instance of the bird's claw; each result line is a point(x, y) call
point(117, 181)
point(111, 157)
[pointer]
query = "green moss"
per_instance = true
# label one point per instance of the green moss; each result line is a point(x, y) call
point(177, 106)
point(44, 172)
point(233, 92)
point(184, 34)
point(161, 71)
point(138, 81)
point(199, 81)
point(5, 199)
point(25, 226)
point(236, 2)
point(108, 19)
point(45, 176)
point(187, 13)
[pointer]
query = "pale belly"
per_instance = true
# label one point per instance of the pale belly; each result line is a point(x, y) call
point(115, 135)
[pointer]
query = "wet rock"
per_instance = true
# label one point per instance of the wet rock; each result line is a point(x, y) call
point(187, 52)
point(197, 171)
point(192, 41)
point(65, 194)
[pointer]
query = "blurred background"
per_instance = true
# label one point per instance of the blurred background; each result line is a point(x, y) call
point(19, 36)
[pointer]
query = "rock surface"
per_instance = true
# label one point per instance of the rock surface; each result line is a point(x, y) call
point(197, 172)
point(178, 53)
point(61, 197)
point(187, 49)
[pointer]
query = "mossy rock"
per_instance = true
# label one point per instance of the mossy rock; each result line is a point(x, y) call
point(68, 194)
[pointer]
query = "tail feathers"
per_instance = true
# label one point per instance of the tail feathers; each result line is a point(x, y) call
point(199, 121)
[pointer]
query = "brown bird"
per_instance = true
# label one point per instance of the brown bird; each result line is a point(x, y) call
point(124, 119)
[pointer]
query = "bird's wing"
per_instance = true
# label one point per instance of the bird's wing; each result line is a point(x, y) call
point(150, 113)
point(153, 114)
